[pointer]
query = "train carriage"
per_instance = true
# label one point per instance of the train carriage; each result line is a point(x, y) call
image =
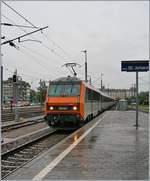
point(70, 102)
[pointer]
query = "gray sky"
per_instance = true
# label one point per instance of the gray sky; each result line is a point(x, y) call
point(109, 31)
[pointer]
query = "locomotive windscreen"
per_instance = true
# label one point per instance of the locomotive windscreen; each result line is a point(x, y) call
point(64, 90)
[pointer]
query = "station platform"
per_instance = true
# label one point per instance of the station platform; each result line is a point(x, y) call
point(109, 147)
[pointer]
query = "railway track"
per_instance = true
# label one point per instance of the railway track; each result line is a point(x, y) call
point(21, 124)
point(24, 113)
point(16, 158)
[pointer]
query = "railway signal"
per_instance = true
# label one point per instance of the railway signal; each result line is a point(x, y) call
point(14, 78)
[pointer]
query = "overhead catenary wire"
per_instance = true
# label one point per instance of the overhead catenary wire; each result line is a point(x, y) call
point(43, 56)
point(18, 13)
point(33, 78)
point(51, 50)
point(37, 60)
point(146, 81)
point(12, 71)
point(23, 26)
point(44, 45)
point(32, 56)
point(15, 24)
point(18, 38)
point(40, 54)
point(56, 44)
point(31, 24)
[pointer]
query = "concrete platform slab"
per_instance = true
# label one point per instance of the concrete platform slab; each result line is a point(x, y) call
point(113, 150)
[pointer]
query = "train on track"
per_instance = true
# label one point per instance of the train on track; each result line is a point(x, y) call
point(70, 102)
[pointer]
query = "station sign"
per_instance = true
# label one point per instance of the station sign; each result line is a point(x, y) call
point(135, 66)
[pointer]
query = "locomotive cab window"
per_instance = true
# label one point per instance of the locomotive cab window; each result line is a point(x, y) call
point(64, 90)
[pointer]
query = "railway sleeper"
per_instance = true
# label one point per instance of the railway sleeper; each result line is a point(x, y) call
point(27, 149)
point(27, 155)
point(16, 159)
point(20, 157)
point(25, 152)
point(38, 148)
point(32, 150)
point(23, 156)
point(4, 172)
point(8, 167)
point(36, 151)
point(7, 162)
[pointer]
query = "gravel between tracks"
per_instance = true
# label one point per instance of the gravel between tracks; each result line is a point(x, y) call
point(12, 134)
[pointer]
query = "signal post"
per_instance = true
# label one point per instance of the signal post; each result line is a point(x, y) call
point(15, 95)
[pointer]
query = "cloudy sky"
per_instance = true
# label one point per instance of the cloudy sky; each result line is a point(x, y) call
point(109, 31)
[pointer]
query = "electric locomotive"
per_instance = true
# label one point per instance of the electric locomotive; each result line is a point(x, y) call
point(70, 102)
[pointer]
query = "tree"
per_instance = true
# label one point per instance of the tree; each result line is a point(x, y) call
point(144, 98)
point(42, 91)
point(33, 95)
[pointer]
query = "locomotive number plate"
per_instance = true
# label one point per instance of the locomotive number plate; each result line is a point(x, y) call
point(62, 108)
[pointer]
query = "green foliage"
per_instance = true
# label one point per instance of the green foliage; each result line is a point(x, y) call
point(131, 99)
point(143, 98)
point(41, 95)
point(33, 96)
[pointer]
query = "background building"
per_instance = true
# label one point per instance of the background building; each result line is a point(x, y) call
point(120, 93)
point(23, 91)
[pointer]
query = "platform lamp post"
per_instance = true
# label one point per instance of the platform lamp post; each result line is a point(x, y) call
point(102, 81)
point(101, 88)
point(1, 84)
point(85, 51)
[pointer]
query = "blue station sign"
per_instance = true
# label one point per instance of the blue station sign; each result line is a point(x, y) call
point(135, 66)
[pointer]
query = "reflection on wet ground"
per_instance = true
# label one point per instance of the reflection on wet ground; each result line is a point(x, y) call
point(113, 150)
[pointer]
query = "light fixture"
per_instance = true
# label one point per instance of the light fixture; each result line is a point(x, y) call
point(51, 108)
point(74, 108)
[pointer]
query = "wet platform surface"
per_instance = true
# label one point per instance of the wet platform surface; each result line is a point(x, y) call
point(112, 150)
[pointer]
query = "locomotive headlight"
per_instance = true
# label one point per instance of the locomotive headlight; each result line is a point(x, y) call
point(51, 108)
point(74, 108)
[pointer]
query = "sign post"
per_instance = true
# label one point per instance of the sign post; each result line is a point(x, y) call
point(135, 66)
point(137, 102)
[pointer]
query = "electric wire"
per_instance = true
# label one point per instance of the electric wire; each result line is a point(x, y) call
point(43, 56)
point(52, 50)
point(35, 59)
point(32, 36)
point(31, 24)
point(12, 71)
